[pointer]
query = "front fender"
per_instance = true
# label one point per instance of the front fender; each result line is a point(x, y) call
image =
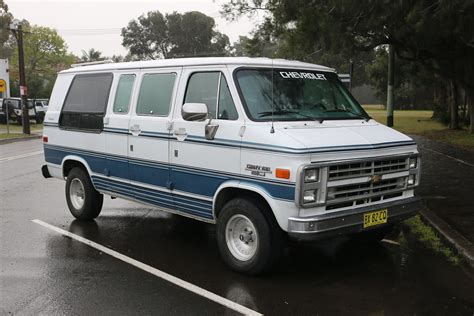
point(281, 210)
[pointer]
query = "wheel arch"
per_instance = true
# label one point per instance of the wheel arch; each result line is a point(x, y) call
point(70, 161)
point(232, 189)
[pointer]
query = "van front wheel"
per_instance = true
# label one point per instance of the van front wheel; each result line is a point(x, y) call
point(84, 202)
point(248, 242)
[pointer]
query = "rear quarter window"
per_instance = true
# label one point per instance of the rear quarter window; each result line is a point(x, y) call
point(86, 102)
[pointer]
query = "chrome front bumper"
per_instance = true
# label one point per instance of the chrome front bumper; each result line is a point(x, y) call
point(350, 221)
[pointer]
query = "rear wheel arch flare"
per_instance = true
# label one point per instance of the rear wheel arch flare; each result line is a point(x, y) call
point(71, 162)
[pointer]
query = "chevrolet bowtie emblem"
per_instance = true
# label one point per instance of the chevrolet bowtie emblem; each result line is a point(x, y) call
point(375, 179)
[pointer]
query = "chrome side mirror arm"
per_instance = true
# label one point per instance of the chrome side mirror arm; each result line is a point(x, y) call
point(210, 129)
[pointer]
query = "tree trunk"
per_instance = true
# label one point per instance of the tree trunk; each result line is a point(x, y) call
point(454, 106)
point(470, 102)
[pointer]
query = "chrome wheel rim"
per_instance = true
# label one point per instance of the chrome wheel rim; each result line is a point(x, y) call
point(241, 237)
point(76, 193)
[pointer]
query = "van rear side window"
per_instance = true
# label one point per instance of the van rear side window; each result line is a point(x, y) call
point(86, 102)
point(123, 94)
point(155, 94)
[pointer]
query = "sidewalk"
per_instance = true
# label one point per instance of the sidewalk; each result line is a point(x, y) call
point(447, 189)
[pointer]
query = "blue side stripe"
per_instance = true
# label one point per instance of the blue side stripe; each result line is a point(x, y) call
point(175, 167)
point(163, 196)
point(155, 197)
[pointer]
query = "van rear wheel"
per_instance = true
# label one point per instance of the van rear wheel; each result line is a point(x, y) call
point(83, 200)
point(248, 241)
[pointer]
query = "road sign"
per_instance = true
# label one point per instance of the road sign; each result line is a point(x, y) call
point(3, 86)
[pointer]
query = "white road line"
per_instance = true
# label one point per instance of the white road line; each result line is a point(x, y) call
point(34, 153)
point(440, 153)
point(391, 242)
point(163, 275)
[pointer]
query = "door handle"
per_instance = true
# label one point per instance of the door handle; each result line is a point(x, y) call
point(135, 129)
point(180, 134)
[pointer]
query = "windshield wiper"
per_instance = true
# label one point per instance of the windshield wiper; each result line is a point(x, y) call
point(357, 116)
point(281, 112)
point(276, 112)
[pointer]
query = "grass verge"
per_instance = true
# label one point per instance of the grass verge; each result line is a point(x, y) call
point(9, 136)
point(428, 238)
point(16, 130)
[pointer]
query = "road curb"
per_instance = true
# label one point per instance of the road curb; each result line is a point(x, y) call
point(18, 139)
point(464, 247)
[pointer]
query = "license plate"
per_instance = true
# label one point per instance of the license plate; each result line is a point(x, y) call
point(375, 218)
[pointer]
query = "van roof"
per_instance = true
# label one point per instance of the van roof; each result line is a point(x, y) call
point(201, 61)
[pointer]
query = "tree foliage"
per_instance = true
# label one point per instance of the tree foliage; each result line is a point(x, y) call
point(414, 85)
point(5, 19)
point(154, 35)
point(436, 34)
point(45, 55)
point(91, 55)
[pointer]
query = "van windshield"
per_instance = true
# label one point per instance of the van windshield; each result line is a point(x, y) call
point(296, 95)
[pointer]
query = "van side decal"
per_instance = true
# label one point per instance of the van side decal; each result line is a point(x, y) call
point(193, 180)
point(158, 198)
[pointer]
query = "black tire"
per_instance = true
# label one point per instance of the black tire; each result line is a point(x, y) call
point(92, 200)
point(39, 119)
point(374, 235)
point(269, 235)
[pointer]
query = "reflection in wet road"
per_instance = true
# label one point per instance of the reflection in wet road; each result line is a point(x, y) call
point(45, 272)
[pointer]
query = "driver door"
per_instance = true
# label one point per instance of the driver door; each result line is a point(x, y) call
point(200, 165)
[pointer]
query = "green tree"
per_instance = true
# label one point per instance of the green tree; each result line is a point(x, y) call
point(91, 55)
point(436, 34)
point(154, 36)
point(414, 85)
point(5, 35)
point(45, 55)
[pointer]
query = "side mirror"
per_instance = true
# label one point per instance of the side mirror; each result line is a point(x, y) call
point(194, 111)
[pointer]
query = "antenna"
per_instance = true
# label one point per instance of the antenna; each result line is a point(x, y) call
point(272, 130)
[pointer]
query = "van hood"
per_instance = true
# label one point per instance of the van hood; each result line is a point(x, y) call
point(343, 135)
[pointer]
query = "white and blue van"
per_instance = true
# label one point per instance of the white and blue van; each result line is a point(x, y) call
point(265, 149)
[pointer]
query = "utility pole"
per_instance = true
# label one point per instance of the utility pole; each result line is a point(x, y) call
point(351, 72)
point(17, 30)
point(391, 76)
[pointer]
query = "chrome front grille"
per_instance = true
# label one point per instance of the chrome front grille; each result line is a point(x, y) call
point(356, 169)
point(353, 183)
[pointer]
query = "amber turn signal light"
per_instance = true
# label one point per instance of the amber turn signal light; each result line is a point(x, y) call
point(282, 173)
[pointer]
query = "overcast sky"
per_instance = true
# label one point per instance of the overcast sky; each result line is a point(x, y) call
point(96, 24)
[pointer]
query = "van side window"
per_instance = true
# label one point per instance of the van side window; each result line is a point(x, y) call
point(204, 87)
point(155, 95)
point(86, 102)
point(123, 93)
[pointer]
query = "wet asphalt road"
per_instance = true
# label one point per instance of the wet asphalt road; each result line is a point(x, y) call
point(44, 272)
point(448, 184)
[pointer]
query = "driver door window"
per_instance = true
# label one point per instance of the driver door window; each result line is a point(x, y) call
point(211, 89)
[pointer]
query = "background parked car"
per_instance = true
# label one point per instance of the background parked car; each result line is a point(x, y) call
point(41, 105)
point(15, 113)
